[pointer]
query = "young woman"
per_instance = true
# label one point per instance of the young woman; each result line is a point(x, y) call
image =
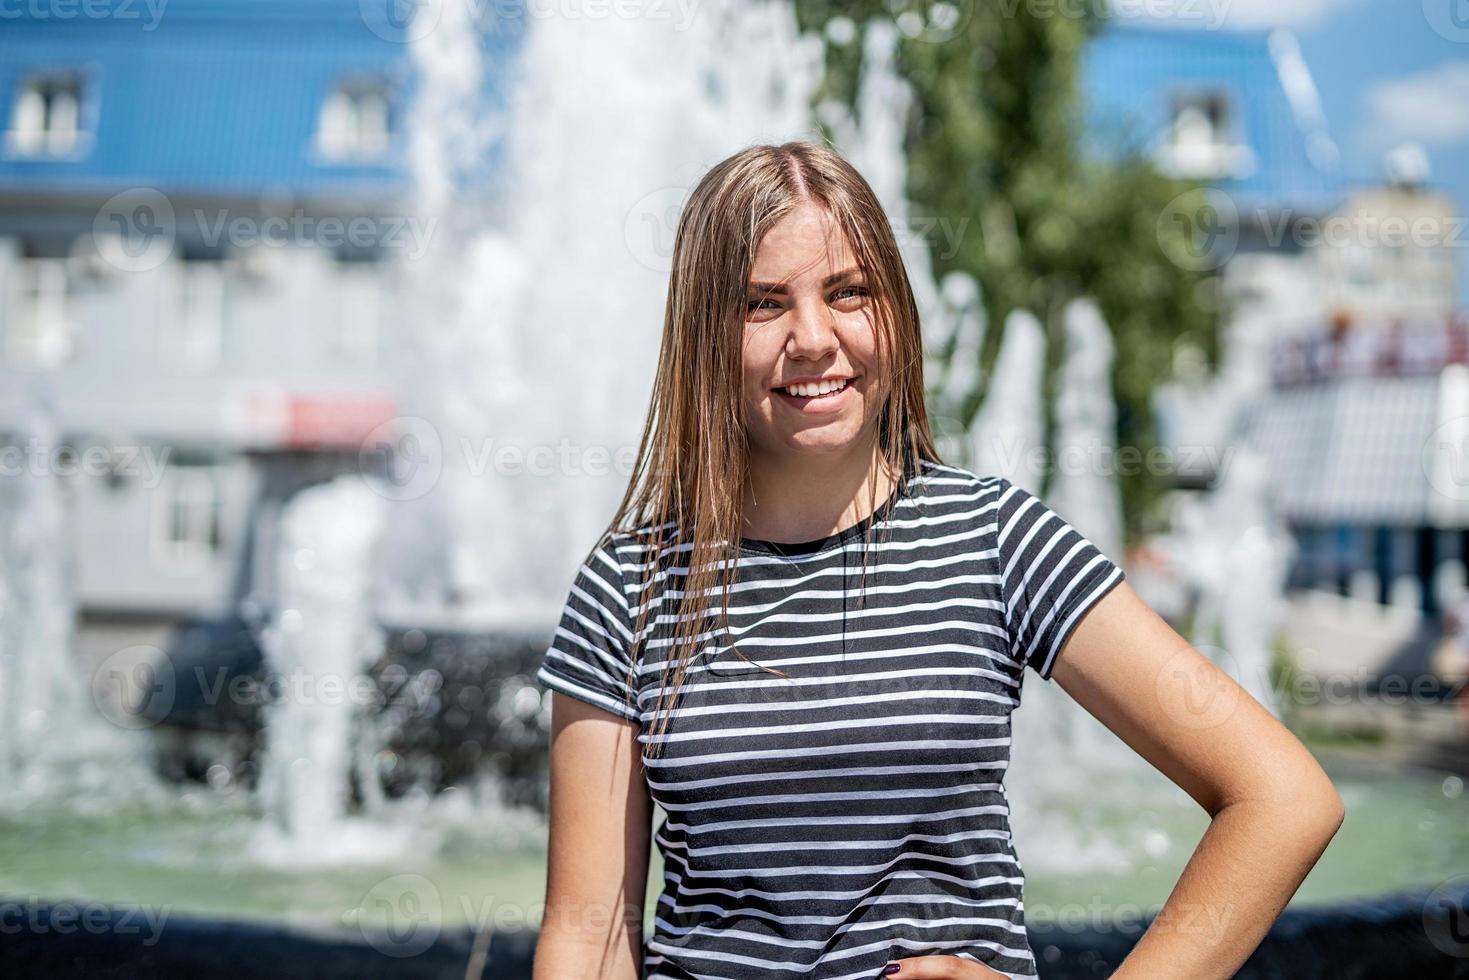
point(803, 635)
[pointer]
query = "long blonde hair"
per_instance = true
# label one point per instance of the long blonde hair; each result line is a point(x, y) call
point(693, 459)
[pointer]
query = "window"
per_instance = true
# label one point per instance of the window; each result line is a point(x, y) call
point(354, 122)
point(38, 324)
point(1201, 139)
point(45, 119)
point(360, 300)
point(191, 329)
point(186, 518)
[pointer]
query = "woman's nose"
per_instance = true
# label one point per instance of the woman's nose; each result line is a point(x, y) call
point(813, 332)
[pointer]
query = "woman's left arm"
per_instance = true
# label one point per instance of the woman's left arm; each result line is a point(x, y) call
point(1273, 809)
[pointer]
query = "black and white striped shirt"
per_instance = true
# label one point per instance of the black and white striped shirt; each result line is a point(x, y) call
point(822, 824)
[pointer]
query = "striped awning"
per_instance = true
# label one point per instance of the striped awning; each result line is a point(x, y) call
point(1363, 450)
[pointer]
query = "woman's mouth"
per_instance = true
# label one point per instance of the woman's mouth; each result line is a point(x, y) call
point(817, 397)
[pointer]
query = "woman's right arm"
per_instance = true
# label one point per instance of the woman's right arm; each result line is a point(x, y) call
point(601, 828)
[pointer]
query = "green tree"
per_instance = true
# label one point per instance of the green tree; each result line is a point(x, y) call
point(995, 135)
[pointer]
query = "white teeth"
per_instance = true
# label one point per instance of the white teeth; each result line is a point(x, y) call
point(816, 388)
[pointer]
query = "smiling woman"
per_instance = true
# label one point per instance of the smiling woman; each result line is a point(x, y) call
point(803, 636)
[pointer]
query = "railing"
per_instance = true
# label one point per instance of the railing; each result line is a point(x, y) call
point(1395, 349)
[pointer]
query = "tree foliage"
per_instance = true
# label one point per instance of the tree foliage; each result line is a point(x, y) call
point(995, 135)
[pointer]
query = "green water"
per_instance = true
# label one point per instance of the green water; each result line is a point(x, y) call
point(195, 858)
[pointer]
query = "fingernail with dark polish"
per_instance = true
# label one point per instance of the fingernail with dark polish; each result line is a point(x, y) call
point(891, 968)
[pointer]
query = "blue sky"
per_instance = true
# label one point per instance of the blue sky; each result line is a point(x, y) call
point(1388, 71)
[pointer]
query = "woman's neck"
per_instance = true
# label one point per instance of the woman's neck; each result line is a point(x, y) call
point(803, 498)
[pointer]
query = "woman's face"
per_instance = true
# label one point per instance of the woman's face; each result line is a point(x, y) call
point(809, 316)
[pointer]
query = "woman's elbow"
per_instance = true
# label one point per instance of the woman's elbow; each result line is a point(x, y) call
point(1318, 807)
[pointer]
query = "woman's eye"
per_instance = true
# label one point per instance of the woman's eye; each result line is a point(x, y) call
point(756, 304)
point(846, 291)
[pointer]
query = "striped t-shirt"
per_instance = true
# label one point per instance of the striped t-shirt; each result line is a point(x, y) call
point(853, 812)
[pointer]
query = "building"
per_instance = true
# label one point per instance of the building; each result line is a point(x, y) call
point(1236, 114)
point(1390, 254)
point(204, 214)
point(1345, 349)
point(200, 222)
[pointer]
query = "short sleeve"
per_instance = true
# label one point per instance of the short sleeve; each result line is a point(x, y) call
point(1050, 577)
point(588, 657)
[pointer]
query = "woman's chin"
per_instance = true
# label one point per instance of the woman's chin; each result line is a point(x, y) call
point(822, 439)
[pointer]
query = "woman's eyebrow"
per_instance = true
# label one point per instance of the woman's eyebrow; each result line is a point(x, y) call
point(776, 287)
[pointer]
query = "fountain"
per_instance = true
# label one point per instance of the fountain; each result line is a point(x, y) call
point(54, 745)
point(557, 261)
point(562, 297)
point(39, 691)
point(1085, 490)
point(1009, 428)
point(321, 642)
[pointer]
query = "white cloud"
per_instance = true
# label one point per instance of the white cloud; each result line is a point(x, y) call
point(1237, 14)
point(1431, 107)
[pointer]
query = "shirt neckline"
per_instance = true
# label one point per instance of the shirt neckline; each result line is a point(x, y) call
point(788, 549)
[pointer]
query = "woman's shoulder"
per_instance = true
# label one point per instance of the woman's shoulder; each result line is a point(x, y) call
point(942, 478)
point(628, 547)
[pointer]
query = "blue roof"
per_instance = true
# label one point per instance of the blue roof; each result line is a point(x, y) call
point(221, 97)
point(1130, 75)
point(215, 97)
